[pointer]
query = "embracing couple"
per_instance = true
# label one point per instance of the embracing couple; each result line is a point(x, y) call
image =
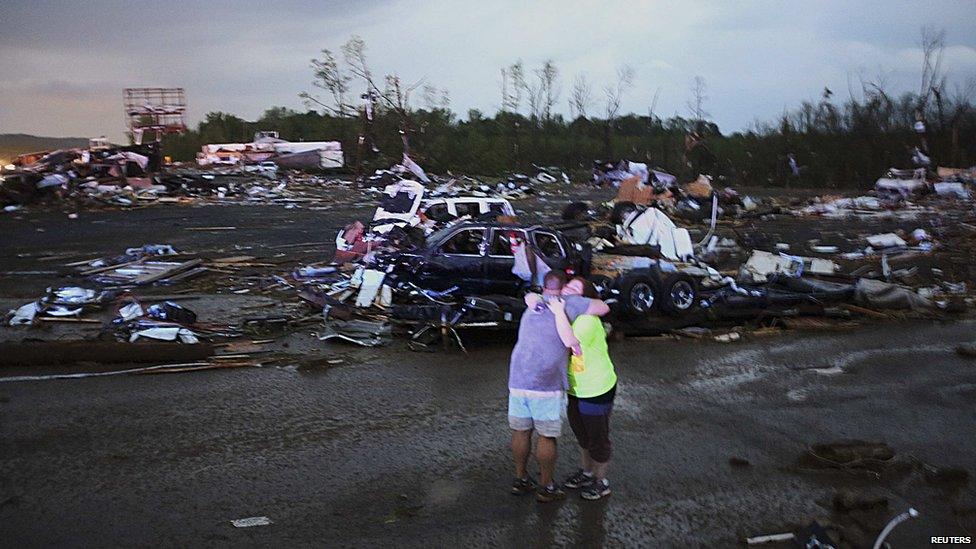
point(561, 361)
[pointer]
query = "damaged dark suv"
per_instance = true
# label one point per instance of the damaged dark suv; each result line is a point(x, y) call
point(477, 258)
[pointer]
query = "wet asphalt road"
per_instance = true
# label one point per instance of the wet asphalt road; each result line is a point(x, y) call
point(392, 447)
point(399, 448)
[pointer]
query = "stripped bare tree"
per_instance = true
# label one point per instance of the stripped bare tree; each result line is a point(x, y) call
point(580, 97)
point(394, 95)
point(933, 80)
point(542, 92)
point(334, 81)
point(445, 99)
point(696, 105)
point(533, 96)
point(504, 85)
point(330, 78)
point(513, 84)
point(653, 107)
point(549, 87)
point(614, 95)
point(430, 97)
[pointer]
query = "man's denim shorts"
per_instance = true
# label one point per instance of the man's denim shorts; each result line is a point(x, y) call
point(542, 412)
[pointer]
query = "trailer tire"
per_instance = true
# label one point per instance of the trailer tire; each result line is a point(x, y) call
point(638, 294)
point(679, 295)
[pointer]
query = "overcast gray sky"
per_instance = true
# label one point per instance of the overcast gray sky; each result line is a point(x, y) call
point(64, 64)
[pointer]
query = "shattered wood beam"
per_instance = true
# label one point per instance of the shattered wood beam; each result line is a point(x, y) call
point(111, 267)
point(149, 279)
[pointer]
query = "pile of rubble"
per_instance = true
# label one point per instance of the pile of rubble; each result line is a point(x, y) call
point(102, 173)
point(121, 177)
point(442, 253)
point(129, 176)
point(470, 270)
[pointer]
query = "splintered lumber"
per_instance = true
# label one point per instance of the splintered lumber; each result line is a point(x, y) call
point(73, 263)
point(865, 311)
point(153, 277)
point(111, 267)
point(199, 367)
point(69, 319)
point(187, 274)
point(233, 259)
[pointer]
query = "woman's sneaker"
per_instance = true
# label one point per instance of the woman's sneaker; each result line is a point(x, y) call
point(522, 486)
point(596, 490)
point(545, 494)
point(579, 479)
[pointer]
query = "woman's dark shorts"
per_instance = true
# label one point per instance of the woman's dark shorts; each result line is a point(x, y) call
point(590, 420)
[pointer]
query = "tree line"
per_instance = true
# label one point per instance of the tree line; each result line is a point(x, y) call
point(836, 143)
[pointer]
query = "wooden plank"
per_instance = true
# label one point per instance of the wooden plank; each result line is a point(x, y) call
point(866, 312)
point(76, 263)
point(298, 245)
point(149, 279)
point(225, 265)
point(188, 274)
point(174, 297)
point(233, 259)
point(111, 267)
point(69, 319)
point(201, 367)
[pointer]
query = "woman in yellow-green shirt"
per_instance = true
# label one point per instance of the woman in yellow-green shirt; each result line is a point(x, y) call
point(592, 387)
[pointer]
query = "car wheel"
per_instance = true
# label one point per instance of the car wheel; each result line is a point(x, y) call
point(638, 295)
point(680, 294)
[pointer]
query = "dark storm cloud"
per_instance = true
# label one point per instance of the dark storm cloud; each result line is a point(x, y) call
point(64, 64)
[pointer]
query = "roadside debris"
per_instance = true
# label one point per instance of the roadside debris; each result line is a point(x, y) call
point(165, 333)
point(250, 522)
point(61, 302)
point(911, 513)
point(267, 152)
point(360, 332)
point(769, 538)
point(442, 254)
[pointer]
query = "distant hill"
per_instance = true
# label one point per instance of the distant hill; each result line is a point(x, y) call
point(13, 144)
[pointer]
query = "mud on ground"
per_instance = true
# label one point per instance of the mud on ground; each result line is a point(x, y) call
point(340, 445)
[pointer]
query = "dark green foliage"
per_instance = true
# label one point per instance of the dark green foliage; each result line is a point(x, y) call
point(847, 145)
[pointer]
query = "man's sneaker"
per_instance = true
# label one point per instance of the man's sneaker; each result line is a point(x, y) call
point(522, 486)
point(596, 490)
point(545, 494)
point(579, 479)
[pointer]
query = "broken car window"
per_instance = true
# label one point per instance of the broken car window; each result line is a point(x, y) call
point(438, 212)
point(401, 202)
point(466, 242)
point(548, 244)
point(468, 208)
point(501, 244)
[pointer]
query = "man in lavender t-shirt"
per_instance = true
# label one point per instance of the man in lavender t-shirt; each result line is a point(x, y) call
point(537, 384)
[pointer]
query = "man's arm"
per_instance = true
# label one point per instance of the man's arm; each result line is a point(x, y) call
point(563, 327)
point(597, 308)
